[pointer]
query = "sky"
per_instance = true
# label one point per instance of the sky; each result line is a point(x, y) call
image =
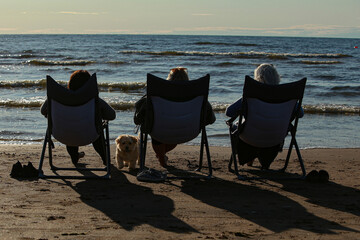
point(301, 18)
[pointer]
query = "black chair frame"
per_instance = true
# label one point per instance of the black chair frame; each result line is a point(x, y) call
point(50, 144)
point(156, 88)
point(83, 95)
point(252, 88)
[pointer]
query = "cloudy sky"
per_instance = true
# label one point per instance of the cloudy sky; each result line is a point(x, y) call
point(304, 18)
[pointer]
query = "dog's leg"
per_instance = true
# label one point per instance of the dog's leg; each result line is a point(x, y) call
point(132, 165)
point(119, 161)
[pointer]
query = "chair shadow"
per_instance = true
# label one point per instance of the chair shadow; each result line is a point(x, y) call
point(192, 172)
point(268, 209)
point(329, 194)
point(130, 205)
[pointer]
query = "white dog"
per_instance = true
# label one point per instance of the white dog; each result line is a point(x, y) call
point(127, 151)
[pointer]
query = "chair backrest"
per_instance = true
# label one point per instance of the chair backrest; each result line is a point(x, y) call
point(178, 109)
point(269, 109)
point(73, 116)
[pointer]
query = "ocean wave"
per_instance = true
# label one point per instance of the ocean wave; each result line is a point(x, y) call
point(25, 84)
point(310, 109)
point(123, 86)
point(341, 88)
point(228, 64)
point(43, 62)
point(320, 62)
point(217, 107)
point(250, 54)
point(123, 105)
point(340, 93)
point(11, 133)
point(332, 109)
point(116, 62)
point(20, 140)
point(17, 56)
point(345, 91)
point(21, 103)
point(226, 44)
point(327, 77)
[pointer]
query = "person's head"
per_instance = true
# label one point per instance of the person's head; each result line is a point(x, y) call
point(178, 74)
point(266, 73)
point(77, 79)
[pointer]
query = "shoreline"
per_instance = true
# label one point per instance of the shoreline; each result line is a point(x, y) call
point(220, 208)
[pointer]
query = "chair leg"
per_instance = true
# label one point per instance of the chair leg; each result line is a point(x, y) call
point(288, 155)
point(52, 167)
point(301, 162)
point(41, 173)
point(107, 149)
point(201, 151)
point(48, 143)
point(233, 158)
point(207, 153)
point(143, 145)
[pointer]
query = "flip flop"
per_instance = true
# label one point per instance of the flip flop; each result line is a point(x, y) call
point(151, 175)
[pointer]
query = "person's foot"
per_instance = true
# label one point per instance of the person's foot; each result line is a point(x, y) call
point(81, 155)
point(75, 160)
point(163, 161)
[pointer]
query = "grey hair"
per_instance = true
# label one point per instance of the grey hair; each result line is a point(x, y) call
point(266, 73)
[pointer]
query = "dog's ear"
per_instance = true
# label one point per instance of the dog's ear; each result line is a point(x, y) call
point(118, 139)
point(134, 139)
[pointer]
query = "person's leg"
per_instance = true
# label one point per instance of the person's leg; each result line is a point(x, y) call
point(169, 147)
point(246, 152)
point(74, 154)
point(159, 150)
point(99, 147)
point(267, 156)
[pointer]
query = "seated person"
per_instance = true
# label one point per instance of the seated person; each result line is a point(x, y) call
point(176, 74)
point(77, 79)
point(267, 74)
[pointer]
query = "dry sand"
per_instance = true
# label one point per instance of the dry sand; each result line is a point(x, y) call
point(220, 208)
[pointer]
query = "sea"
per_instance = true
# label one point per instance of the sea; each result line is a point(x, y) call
point(121, 62)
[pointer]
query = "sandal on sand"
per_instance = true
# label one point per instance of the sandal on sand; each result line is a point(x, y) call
point(24, 171)
point(151, 175)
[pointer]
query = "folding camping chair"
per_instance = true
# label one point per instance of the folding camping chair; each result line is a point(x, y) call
point(74, 120)
point(268, 114)
point(175, 114)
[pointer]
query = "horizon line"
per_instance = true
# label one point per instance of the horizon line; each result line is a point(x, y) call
point(181, 34)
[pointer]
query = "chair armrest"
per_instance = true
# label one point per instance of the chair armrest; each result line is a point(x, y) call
point(105, 123)
point(231, 120)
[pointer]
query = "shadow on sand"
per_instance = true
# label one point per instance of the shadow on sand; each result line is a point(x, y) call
point(130, 205)
point(268, 209)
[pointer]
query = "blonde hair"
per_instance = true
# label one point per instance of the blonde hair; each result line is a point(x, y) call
point(266, 73)
point(178, 74)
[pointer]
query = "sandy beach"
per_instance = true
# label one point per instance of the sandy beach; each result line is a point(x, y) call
point(220, 208)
